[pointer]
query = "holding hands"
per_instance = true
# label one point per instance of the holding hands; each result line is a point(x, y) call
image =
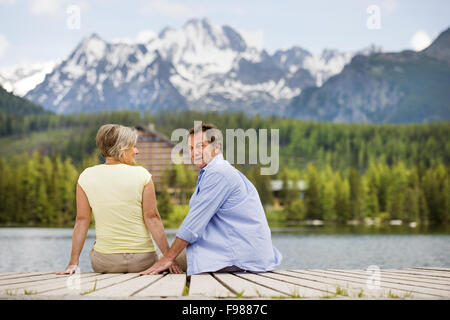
point(161, 265)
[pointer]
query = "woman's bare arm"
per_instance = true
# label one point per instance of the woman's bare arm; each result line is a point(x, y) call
point(154, 223)
point(80, 230)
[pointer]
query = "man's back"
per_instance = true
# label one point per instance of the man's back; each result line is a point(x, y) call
point(226, 224)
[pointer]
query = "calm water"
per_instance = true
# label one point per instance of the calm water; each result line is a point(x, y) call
point(48, 249)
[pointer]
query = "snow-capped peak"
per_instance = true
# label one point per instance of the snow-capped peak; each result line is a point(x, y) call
point(199, 65)
point(21, 79)
point(94, 47)
point(200, 48)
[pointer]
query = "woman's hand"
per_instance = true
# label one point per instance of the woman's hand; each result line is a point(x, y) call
point(71, 269)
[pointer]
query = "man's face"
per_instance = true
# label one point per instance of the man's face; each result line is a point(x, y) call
point(201, 150)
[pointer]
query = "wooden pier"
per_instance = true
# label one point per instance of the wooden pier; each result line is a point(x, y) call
point(414, 283)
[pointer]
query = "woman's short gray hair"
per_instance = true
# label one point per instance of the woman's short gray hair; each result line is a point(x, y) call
point(114, 139)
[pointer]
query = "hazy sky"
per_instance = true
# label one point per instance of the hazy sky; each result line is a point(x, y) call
point(43, 30)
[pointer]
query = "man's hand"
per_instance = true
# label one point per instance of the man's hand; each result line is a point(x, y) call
point(162, 265)
point(168, 261)
point(175, 268)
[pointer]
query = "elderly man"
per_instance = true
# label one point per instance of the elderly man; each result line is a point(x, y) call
point(226, 227)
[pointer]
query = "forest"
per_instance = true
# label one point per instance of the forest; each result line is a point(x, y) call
point(352, 172)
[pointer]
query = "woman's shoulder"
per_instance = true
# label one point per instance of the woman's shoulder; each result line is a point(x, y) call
point(91, 170)
point(141, 169)
point(121, 167)
point(134, 168)
point(88, 174)
point(144, 174)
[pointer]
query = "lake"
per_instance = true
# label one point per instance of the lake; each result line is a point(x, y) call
point(48, 249)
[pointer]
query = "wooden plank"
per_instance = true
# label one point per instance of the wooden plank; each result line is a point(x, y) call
point(206, 285)
point(385, 284)
point(444, 288)
point(435, 283)
point(278, 283)
point(402, 283)
point(327, 288)
point(419, 279)
point(34, 286)
point(404, 292)
point(419, 275)
point(171, 285)
point(15, 275)
point(8, 273)
point(34, 278)
point(431, 273)
point(60, 284)
point(355, 289)
point(408, 290)
point(99, 282)
point(433, 268)
point(245, 288)
point(127, 288)
point(309, 288)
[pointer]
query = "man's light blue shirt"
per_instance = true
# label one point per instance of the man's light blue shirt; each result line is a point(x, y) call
point(226, 224)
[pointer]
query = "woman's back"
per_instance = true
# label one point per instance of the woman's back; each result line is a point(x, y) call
point(115, 196)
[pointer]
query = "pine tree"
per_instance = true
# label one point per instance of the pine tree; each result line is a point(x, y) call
point(312, 196)
point(424, 212)
point(327, 194)
point(370, 202)
point(164, 202)
point(396, 191)
point(435, 184)
point(262, 184)
point(355, 195)
point(342, 200)
point(296, 211)
point(284, 192)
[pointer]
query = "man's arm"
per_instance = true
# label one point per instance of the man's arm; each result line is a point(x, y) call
point(153, 222)
point(169, 258)
point(214, 190)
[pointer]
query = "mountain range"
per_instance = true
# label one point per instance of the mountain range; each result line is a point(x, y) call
point(398, 87)
point(206, 67)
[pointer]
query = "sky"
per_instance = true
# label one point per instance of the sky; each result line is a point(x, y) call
point(42, 30)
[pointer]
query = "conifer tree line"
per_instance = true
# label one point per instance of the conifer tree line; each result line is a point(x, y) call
point(381, 193)
point(351, 171)
point(39, 190)
point(336, 144)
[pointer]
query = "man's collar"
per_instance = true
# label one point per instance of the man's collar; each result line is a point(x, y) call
point(212, 163)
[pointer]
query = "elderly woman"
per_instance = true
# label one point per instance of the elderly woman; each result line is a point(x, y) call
point(121, 196)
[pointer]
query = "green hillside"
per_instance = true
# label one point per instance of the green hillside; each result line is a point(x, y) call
point(14, 105)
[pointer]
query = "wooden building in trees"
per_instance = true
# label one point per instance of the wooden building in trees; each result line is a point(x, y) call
point(154, 152)
point(282, 190)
